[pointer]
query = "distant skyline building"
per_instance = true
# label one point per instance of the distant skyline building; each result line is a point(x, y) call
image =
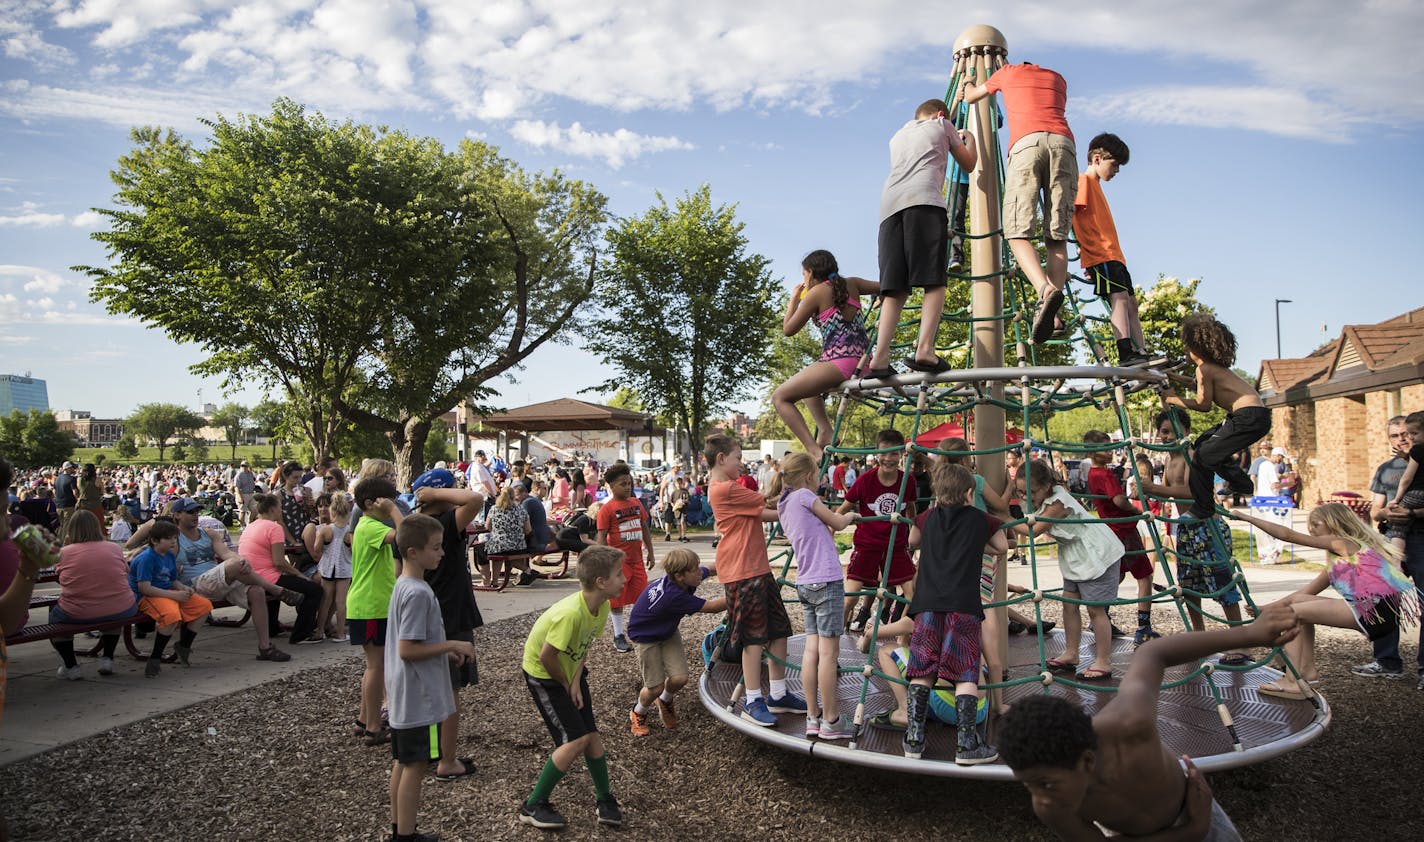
point(22, 392)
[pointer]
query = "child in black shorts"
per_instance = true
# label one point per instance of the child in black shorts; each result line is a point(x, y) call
point(554, 670)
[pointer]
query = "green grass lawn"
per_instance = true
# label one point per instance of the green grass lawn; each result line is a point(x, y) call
point(258, 455)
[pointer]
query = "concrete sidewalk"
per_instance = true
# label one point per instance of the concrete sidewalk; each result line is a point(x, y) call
point(43, 712)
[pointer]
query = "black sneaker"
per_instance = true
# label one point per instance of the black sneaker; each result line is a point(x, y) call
point(1117, 632)
point(1015, 627)
point(609, 814)
point(620, 642)
point(1133, 360)
point(152, 668)
point(183, 653)
point(543, 815)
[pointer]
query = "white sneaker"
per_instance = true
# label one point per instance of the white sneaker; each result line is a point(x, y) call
point(106, 666)
point(69, 673)
point(813, 726)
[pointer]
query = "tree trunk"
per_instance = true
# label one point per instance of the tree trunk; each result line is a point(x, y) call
point(408, 449)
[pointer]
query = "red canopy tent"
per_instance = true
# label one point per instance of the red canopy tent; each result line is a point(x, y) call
point(950, 430)
point(932, 437)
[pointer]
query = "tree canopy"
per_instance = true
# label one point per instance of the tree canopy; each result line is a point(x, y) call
point(371, 275)
point(33, 439)
point(688, 310)
point(161, 422)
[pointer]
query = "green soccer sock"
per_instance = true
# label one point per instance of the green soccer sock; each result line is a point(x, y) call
point(598, 771)
point(548, 779)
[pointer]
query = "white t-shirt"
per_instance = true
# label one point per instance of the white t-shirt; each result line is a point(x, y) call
point(1267, 480)
point(919, 155)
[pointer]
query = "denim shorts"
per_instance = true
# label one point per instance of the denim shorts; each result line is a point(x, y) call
point(824, 606)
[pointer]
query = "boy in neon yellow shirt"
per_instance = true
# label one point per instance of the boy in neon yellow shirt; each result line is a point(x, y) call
point(554, 671)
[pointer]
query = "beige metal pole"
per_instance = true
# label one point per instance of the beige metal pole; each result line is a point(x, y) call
point(979, 51)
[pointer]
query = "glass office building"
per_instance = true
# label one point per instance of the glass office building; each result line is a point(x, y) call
point(23, 393)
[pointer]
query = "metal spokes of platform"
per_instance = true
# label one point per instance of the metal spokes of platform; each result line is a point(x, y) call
point(1186, 715)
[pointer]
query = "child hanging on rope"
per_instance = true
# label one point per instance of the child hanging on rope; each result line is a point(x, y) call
point(756, 616)
point(914, 231)
point(1411, 483)
point(1111, 774)
point(877, 494)
point(1099, 251)
point(1211, 346)
point(833, 302)
point(948, 612)
point(1362, 567)
point(1203, 547)
point(1042, 161)
point(1112, 503)
point(1088, 556)
point(808, 524)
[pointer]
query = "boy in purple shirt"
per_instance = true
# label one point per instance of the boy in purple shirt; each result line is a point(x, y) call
point(652, 627)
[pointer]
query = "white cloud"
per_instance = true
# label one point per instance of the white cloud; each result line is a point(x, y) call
point(493, 60)
point(616, 148)
point(1255, 108)
point(33, 294)
point(29, 215)
point(87, 219)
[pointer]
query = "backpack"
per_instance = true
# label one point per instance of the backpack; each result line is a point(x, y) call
point(715, 644)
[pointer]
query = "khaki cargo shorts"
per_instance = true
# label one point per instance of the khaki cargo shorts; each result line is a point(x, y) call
point(1041, 166)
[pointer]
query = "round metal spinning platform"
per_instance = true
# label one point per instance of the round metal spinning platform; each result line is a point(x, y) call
point(1186, 716)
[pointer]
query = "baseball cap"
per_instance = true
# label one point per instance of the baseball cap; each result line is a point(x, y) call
point(183, 504)
point(67, 465)
point(434, 478)
point(1279, 451)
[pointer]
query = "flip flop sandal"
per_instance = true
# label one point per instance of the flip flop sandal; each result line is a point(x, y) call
point(939, 366)
point(1234, 659)
point(879, 373)
point(883, 720)
point(1043, 319)
point(1280, 693)
point(1094, 675)
point(1061, 667)
point(377, 738)
point(467, 762)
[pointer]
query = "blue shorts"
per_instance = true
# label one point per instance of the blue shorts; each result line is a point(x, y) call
point(824, 606)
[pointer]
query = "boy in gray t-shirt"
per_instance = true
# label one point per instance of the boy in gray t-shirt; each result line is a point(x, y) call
point(417, 679)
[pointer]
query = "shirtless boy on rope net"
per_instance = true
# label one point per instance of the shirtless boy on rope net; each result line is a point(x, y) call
point(1110, 775)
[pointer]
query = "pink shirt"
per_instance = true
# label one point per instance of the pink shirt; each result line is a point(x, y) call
point(255, 545)
point(93, 580)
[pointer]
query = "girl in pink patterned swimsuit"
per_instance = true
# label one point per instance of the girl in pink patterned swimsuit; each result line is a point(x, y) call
point(1363, 570)
point(834, 302)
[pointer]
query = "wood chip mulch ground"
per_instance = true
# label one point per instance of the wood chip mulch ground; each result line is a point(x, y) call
point(278, 764)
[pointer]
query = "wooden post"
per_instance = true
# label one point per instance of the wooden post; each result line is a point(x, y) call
point(979, 51)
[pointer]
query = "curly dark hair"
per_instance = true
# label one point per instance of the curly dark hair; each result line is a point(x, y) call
point(1209, 339)
point(1112, 145)
point(1042, 730)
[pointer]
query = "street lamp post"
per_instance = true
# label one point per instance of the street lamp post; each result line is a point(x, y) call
point(1279, 302)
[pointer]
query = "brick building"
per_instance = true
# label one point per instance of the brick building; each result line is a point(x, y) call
point(90, 431)
point(1329, 409)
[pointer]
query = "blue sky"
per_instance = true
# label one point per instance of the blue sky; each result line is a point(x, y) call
point(1275, 147)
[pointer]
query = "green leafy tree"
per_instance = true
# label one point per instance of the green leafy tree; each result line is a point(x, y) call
point(100, 459)
point(269, 417)
point(33, 439)
point(232, 419)
point(125, 448)
point(197, 447)
point(277, 222)
point(162, 422)
point(437, 443)
point(517, 267)
point(687, 269)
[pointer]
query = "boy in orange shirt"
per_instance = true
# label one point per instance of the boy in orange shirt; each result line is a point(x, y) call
point(623, 525)
point(756, 617)
point(1099, 252)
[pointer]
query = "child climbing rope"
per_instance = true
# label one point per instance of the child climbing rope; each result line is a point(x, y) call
point(1042, 161)
point(1112, 503)
point(875, 494)
point(1362, 569)
point(1099, 251)
point(1211, 346)
point(914, 231)
point(833, 302)
point(948, 613)
point(1088, 556)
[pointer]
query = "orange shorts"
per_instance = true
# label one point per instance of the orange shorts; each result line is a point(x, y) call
point(166, 612)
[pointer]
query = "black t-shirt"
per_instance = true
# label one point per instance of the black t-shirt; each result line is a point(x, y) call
point(451, 581)
point(64, 487)
point(952, 541)
point(1416, 454)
